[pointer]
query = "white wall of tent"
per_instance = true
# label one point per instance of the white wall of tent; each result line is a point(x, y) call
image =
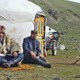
point(18, 18)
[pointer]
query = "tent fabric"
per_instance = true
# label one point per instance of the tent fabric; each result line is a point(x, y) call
point(18, 18)
point(18, 31)
point(18, 10)
point(49, 30)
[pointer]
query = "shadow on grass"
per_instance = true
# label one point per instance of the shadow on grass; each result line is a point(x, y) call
point(68, 64)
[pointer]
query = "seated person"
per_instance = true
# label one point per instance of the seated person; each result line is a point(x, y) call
point(9, 51)
point(32, 52)
point(56, 35)
point(48, 41)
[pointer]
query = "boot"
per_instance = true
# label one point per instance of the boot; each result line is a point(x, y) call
point(47, 65)
point(42, 63)
point(6, 65)
point(12, 62)
point(3, 61)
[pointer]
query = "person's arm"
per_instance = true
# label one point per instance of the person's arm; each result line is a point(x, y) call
point(33, 55)
point(25, 46)
point(26, 49)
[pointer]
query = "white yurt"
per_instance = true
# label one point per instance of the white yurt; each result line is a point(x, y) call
point(18, 17)
point(48, 31)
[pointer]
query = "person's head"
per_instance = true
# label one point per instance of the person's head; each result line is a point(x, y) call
point(52, 37)
point(2, 28)
point(33, 34)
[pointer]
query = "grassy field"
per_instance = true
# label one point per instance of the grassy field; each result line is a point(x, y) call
point(62, 67)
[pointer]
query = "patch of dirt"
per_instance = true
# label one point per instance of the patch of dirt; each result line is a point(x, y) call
point(21, 67)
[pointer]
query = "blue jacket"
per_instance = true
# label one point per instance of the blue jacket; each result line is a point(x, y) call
point(27, 46)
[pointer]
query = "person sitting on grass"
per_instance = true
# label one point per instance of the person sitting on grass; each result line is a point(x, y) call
point(9, 50)
point(32, 52)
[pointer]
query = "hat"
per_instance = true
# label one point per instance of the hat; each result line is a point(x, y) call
point(34, 31)
point(40, 13)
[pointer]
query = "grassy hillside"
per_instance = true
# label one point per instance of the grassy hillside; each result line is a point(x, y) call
point(66, 19)
point(68, 14)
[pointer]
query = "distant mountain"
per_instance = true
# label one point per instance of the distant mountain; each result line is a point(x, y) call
point(63, 16)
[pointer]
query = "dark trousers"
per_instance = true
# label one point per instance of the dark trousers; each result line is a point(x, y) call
point(9, 58)
point(39, 60)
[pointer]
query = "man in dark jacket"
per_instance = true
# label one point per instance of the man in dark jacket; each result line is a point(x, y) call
point(32, 52)
point(9, 50)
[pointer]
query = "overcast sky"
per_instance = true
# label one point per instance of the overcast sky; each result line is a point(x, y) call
point(75, 0)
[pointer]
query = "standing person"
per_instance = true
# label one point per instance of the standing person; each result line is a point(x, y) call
point(32, 52)
point(48, 41)
point(9, 51)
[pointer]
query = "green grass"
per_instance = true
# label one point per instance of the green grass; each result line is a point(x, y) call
point(61, 67)
point(68, 22)
point(61, 63)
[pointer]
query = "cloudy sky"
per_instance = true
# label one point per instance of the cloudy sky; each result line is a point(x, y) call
point(75, 0)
